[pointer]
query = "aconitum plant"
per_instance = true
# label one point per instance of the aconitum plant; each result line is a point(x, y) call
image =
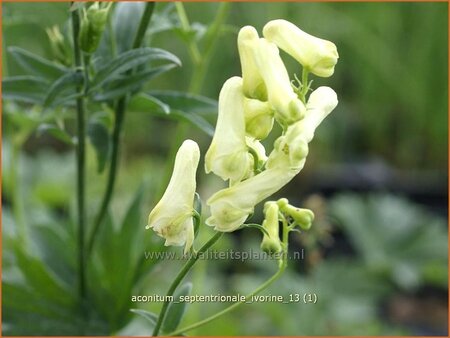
point(248, 108)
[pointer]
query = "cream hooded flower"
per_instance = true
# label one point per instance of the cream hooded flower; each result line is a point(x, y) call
point(281, 96)
point(253, 83)
point(291, 149)
point(230, 207)
point(227, 155)
point(172, 217)
point(317, 55)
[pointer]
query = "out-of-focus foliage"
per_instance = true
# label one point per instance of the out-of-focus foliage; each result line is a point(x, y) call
point(391, 80)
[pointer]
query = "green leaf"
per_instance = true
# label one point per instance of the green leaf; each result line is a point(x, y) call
point(176, 309)
point(41, 280)
point(129, 60)
point(125, 21)
point(67, 82)
point(28, 89)
point(188, 103)
point(99, 136)
point(129, 83)
point(37, 65)
point(56, 132)
point(165, 19)
point(115, 262)
point(144, 103)
point(196, 120)
point(184, 107)
point(150, 316)
point(57, 248)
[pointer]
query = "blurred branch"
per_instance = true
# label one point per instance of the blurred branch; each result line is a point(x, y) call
point(16, 201)
point(200, 69)
point(81, 134)
point(118, 126)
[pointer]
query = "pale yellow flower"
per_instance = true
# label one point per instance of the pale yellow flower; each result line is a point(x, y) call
point(258, 118)
point(231, 206)
point(172, 217)
point(281, 96)
point(253, 83)
point(227, 155)
point(317, 55)
point(291, 149)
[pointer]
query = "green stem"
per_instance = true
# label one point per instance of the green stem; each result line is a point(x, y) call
point(305, 86)
point(211, 39)
point(112, 37)
point(248, 298)
point(16, 201)
point(118, 126)
point(281, 267)
point(187, 266)
point(186, 26)
point(81, 134)
point(145, 20)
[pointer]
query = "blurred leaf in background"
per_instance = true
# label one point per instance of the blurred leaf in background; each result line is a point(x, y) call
point(392, 84)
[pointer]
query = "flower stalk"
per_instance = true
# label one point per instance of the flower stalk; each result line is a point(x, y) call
point(179, 278)
point(81, 159)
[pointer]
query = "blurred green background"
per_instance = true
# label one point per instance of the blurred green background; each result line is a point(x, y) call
point(376, 175)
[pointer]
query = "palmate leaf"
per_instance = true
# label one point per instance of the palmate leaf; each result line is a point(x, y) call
point(36, 65)
point(129, 60)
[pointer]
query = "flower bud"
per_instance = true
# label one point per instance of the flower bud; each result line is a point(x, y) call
point(282, 202)
point(227, 155)
point(92, 26)
point(253, 83)
point(282, 98)
point(172, 216)
point(291, 149)
point(60, 49)
point(258, 118)
point(271, 242)
point(303, 217)
point(317, 55)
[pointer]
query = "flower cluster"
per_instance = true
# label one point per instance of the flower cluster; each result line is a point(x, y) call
point(248, 107)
